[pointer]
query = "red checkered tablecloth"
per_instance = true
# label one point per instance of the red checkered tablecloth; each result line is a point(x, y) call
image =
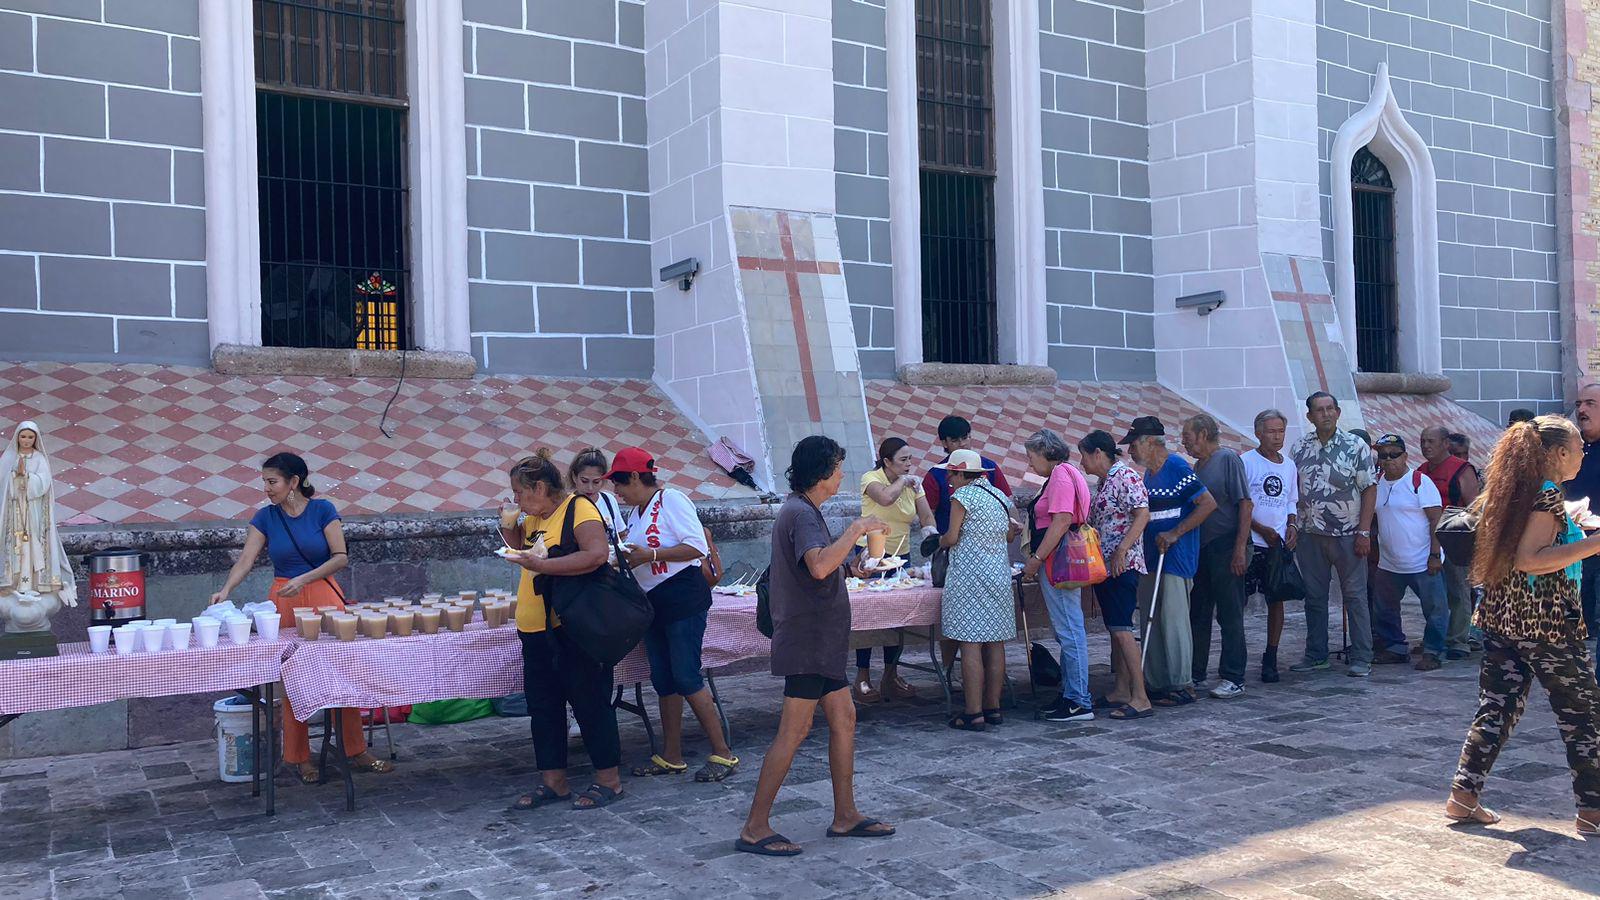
point(485, 662)
point(80, 678)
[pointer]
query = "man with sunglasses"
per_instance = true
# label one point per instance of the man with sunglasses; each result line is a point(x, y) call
point(1408, 511)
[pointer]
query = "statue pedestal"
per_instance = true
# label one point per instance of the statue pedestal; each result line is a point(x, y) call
point(28, 645)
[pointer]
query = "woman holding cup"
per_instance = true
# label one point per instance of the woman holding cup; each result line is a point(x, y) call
point(305, 541)
point(891, 494)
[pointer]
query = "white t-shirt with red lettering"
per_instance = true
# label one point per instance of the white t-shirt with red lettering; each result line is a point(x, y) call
point(669, 519)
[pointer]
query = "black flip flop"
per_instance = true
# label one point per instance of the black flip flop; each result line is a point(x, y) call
point(598, 796)
point(763, 847)
point(1180, 698)
point(1104, 703)
point(862, 829)
point(1128, 712)
point(541, 797)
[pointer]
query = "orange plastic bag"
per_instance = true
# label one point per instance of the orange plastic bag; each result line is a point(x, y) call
point(1077, 562)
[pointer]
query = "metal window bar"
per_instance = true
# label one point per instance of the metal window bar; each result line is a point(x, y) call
point(955, 99)
point(958, 253)
point(334, 216)
point(1377, 314)
point(332, 47)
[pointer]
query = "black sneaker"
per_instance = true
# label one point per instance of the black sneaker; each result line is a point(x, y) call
point(1068, 711)
point(1269, 666)
point(1389, 658)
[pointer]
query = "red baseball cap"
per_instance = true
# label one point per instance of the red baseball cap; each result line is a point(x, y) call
point(632, 459)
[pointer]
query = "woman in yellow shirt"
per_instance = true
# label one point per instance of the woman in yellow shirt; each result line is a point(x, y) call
point(555, 671)
point(892, 495)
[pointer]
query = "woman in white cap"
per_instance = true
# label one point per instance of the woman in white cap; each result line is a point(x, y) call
point(978, 608)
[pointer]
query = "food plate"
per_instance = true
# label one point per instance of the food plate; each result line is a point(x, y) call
point(504, 552)
point(887, 564)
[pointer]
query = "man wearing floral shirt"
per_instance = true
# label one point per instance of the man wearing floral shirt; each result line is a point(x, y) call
point(1337, 495)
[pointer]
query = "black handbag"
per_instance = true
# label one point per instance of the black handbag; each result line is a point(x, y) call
point(1046, 668)
point(764, 603)
point(1458, 532)
point(1284, 583)
point(605, 612)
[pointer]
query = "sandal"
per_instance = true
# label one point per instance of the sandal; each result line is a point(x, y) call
point(899, 689)
point(864, 692)
point(1472, 815)
point(659, 766)
point(312, 775)
point(373, 764)
point(863, 829)
point(1107, 703)
point(1128, 712)
point(1587, 827)
point(763, 847)
point(598, 796)
point(1177, 698)
point(993, 717)
point(717, 768)
point(541, 797)
point(968, 722)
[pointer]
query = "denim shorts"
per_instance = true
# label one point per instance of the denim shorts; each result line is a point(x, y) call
point(1117, 597)
point(673, 649)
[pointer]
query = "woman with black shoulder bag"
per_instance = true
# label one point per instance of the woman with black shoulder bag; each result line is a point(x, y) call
point(303, 537)
point(556, 671)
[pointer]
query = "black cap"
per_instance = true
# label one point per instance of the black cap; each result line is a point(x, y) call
point(1391, 440)
point(1142, 427)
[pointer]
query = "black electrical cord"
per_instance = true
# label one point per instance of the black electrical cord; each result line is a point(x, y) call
point(383, 420)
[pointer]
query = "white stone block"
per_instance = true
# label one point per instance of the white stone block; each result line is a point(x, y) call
point(1210, 210)
point(1213, 367)
point(708, 204)
point(758, 138)
point(662, 18)
point(1206, 132)
point(1232, 167)
point(1235, 248)
point(1166, 216)
point(731, 345)
point(1158, 64)
point(1177, 99)
point(655, 70)
point(1224, 12)
point(1172, 177)
point(693, 354)
point(749, 84)
point(689, 150)
point(1182, 253)
point(1169, 366)
point(810, 143)
point(728, 397)
point(687, 49)
point(1229, 85)
point(751, 33)
point(808, 41)
point(672, 207)
point(806, 190)
point(1173, 22)
point(1203, 53)
point(705, 89)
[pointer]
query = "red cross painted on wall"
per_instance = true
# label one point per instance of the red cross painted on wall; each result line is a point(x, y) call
point(792, 268)
point(1306, 301)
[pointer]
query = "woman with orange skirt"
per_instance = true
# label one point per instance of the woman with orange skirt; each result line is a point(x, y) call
point(305, 541)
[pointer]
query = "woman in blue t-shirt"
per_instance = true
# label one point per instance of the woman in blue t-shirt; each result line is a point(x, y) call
point(305, 541)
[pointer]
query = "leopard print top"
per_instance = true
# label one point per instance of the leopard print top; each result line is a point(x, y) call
point(1543, 608)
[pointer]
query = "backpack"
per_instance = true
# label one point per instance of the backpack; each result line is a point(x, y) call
point(1457, 531)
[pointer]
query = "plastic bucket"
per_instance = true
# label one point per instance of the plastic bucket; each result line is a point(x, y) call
point(235, 742)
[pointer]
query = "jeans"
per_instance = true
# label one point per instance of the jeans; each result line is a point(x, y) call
point(673, 649)
point(554, 678)
point(891, 656)
point(1169, 648)
point(1388, 633)
point(1459, 595)
point(1066, 617)
point(1218, 592)
point(1320, 557)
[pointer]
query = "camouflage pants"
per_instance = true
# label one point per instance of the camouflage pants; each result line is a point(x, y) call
point(1509, 668)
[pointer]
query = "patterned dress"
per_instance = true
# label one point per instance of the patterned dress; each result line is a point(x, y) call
point(978, 604)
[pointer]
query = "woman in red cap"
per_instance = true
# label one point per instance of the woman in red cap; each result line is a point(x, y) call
point(665, 547)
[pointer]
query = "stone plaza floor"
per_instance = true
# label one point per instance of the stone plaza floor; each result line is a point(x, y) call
point(1321, 786)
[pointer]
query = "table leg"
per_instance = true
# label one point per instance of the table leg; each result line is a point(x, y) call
point(637, 707)
point(255, 741)
point(333, 745)
point(722, 714)
point(269, 692)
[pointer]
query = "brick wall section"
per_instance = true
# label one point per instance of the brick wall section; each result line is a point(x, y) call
point(102, 220)
point(861, 165)
point(1474, 79)
point(1096, 190)
point(557, 187)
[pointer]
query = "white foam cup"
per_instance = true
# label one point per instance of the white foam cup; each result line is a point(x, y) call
point(99, 638)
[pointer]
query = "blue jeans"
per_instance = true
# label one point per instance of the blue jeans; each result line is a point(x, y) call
point(1066, 617)
point(673, 649)
point(1387, 632)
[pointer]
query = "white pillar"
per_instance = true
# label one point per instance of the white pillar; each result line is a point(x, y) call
point(1018, 189)
point(905, 191)
point(438, 159)
point(228, 118)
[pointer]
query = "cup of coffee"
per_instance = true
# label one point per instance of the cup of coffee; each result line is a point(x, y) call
point(267, 625)
point(401, 622)
point(127, 639)
point(374, 625)
point(165, 623)
point(875, 544)
point(178, 635)
point(309, 626)
point(428, 619)
point(239, 630)
point(206, 630)
point(509, 514)
point(344, 626)
point(469, 596)
point(455, 618)
point(150, 639)
point(99, 638)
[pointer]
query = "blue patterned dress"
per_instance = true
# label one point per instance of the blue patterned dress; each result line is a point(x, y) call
point(978, 604)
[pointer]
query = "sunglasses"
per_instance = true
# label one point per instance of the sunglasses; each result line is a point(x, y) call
point(1389, 456)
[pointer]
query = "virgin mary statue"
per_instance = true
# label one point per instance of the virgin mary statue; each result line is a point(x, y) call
point(36, 578)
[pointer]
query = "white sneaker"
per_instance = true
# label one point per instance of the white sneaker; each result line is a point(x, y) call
point(1227, 690)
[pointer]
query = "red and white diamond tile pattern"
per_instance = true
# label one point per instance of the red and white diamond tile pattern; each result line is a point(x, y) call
point(142, 444)
point(1003, 417)
point(1407, 414)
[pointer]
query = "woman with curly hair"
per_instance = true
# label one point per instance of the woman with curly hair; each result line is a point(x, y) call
point(1528, 554)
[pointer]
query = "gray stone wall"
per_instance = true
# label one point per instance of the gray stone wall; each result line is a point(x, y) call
point(557, 187)
point(1474, 79)
point(1096, 190)
point(861, 166)
point(102, 193)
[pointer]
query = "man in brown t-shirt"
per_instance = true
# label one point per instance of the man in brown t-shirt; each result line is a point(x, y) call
point(810, 640)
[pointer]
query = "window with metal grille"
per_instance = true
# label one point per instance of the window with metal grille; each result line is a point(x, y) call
point(331, 157)
point(955, 124)
point(1377, 301)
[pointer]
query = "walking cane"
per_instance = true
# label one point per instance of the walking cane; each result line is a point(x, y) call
point(1027, 635)
point(1155, 601)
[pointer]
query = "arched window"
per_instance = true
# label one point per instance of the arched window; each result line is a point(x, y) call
point(1377, 309)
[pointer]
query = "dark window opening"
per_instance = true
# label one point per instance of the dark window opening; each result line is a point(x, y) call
point(1376, 270)
point(955, 119)
point(331, 138)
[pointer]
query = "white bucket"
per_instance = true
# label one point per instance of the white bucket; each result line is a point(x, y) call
point(235, 747)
